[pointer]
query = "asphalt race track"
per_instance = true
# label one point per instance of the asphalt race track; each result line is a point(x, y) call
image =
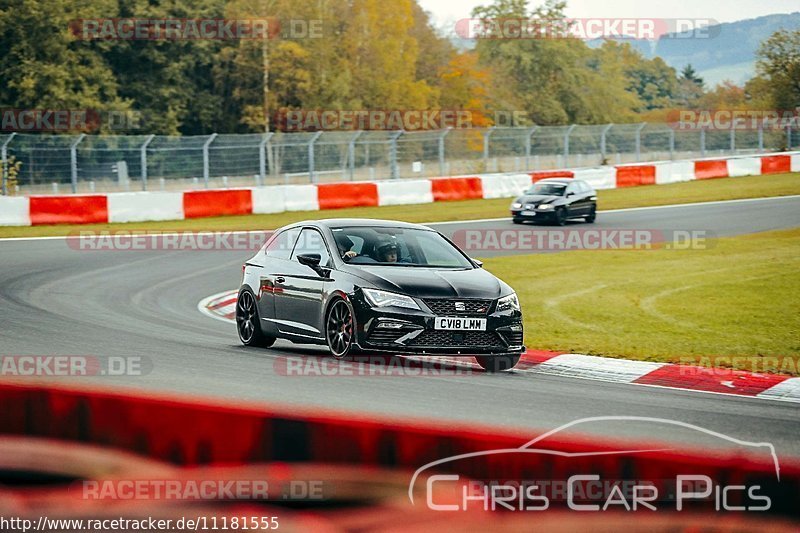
point(55, 300)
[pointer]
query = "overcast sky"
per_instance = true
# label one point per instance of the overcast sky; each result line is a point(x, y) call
point(448, 11)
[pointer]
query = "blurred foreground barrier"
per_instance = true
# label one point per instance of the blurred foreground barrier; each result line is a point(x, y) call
point(151, 206)
point(117, 489)
point(192, 432)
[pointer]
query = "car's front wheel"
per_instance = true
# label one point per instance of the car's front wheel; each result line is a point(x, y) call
point(248, 323)
point(497, 363)
point(560, 216)
point(339, 329)
point(592, 215)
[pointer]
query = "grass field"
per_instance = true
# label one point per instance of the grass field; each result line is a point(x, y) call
point(693, 191)
point(740, 297)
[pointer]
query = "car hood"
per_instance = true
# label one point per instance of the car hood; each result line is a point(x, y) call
point(431, 282)
point(538, 199)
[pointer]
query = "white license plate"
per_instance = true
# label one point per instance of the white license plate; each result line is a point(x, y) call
point(460, 323)
point(528, 213)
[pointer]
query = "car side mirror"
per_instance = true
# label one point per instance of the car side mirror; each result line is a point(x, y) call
point(479, 264)
point(570, 194)
point(310, 260)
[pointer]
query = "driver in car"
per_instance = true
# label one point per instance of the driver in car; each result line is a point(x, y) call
point(390, 253)
point(345, 244)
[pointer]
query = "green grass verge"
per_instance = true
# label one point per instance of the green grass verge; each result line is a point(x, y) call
point(694, 191)
point(740, 297)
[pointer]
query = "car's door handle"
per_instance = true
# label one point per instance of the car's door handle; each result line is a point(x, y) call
point(280, 279)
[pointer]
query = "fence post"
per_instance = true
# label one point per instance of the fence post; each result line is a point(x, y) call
point(566, 144)
point(73, 161)
point(205, 158)
point(760, 137)
point(671, 144)
point(4, 169)
point(441, 151)
point(639, 141)
point(603, 149)
point(143, 161)
point(351, 153)
point(733, 139)
point(788, 136)
point(486, 136)
point(311, 176)
point(394, 171)
point(702, 142)
point(528, 136)
point(262, 157)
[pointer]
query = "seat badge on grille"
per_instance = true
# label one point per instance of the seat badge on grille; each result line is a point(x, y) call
point(460, 306)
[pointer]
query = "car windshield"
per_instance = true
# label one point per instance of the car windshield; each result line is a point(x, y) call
point(397, 247)
point(549, 189)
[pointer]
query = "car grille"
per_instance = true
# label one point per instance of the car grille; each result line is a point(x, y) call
point(447, 306)
point(513, 338)
point(449, 339)
point(386, 336)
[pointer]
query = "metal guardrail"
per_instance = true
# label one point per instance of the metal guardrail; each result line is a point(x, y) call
point(94, 163)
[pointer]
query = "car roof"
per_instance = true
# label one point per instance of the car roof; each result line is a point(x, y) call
point(359, 222)
point(558, 180)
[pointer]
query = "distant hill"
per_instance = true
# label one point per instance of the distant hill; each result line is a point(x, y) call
point(731, 49)
point(729, 53)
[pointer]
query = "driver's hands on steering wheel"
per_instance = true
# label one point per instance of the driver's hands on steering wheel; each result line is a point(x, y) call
point(349, 254)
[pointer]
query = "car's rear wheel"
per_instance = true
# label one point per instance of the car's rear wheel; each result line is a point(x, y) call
point(592, 215)
point(497, 363)
point(561, 216)
point(517, 220)
point(248, 323)
point(339, 329)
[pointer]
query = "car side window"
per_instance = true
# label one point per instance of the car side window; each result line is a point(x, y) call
point(573, 188)
point(584, 187)
point(311, 242)
point(281, 246)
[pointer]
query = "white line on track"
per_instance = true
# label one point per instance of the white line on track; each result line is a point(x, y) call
point(239, 232)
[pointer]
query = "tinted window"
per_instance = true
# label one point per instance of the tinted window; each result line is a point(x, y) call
point(281, 246)
point(311, 242)
point(399, 246)
point(547, 188)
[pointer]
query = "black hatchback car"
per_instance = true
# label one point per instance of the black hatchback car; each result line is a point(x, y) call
point(556, 200)
point(377, 286)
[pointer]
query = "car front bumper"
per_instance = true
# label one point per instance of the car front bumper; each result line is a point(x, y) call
point(520, 214)
point(407, 331)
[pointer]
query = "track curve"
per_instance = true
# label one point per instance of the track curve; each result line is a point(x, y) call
point(57, 300)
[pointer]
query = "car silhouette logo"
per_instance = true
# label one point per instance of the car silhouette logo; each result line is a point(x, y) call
point(460, 306)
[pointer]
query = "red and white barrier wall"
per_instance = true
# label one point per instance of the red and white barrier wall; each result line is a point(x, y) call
point(194, 432)
point(154, 206)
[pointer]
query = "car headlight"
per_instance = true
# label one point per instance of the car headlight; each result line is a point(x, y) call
point(508, 303)
point(516, 205)
point(545, 207)
point(378, 298)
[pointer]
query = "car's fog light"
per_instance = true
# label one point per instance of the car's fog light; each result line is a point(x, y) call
point(390, 325)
